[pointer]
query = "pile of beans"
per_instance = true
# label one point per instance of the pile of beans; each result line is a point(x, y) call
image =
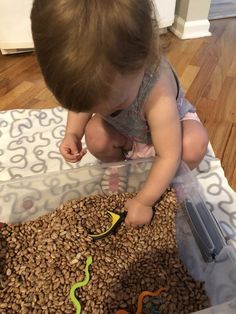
point(41, 260)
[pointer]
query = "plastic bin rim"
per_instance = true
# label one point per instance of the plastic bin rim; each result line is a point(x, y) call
point(86, 166)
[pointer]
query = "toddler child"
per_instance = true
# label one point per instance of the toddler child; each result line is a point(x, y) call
point(102, 61)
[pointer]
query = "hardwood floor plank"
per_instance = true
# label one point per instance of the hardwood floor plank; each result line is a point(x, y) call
point(210, 49)
point(17, 73)
point(181, 57)
point(229, 157)
point(45, 94)
point(222, 109)
point(39, 104)
point(218, 77)
point(228, 51)
point(226, 103)
point(232, 69)
point(205, 107)
point(216, 129)
point(189, 75)
point(7, 61)
point(198, 87)
point(14, 95)
point(221, 133)
point(233, 181)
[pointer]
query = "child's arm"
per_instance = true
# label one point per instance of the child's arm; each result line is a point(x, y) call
point(76, 123)
point(71, 146)
point(163, 119)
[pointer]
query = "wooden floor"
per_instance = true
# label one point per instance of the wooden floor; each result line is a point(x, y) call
point(206, 66)
point(222, 9)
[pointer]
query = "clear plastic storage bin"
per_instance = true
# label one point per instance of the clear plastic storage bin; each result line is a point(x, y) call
point(202, 246)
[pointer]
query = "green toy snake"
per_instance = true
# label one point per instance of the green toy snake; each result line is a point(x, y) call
point(80, 284)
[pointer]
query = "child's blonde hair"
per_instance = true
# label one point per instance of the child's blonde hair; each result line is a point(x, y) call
point(80, 44)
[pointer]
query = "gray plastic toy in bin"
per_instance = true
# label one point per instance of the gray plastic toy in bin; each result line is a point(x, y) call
point(202, 246)
point(205, 229)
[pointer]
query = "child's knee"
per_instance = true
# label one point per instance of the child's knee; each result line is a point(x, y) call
point(195, 147)
point(95, 138)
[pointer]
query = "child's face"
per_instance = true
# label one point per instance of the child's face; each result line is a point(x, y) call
point(125, 89)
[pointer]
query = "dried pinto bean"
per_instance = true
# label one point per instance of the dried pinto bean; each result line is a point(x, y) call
point(40, 261)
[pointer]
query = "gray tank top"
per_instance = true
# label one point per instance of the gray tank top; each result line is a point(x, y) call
point(131, 121)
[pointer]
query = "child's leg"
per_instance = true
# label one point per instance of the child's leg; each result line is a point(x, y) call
point(104, 142)
point(195, 141)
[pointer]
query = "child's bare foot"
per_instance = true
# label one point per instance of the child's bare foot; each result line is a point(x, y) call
point(115, 179)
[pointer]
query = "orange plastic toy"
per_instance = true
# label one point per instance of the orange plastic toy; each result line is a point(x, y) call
point(140, 300)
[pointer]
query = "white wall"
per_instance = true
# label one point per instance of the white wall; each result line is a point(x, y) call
point(165, 12)
point(193, 10)
point(15, 29)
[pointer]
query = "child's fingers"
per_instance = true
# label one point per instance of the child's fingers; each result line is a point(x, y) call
point(81, 153)
point(132, 224)
point(66, 153)
point(73, 157)
point(129, 223)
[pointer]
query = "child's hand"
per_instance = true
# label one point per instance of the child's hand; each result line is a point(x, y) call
point(138, 214)
point(71, 148)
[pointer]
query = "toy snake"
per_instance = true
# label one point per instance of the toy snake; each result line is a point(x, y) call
point(140, 300)
point(116, 220)
point(80, 284)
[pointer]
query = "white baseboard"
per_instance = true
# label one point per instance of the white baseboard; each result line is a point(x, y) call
point(190, 29)
point(11, 46)
point(14, 51)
